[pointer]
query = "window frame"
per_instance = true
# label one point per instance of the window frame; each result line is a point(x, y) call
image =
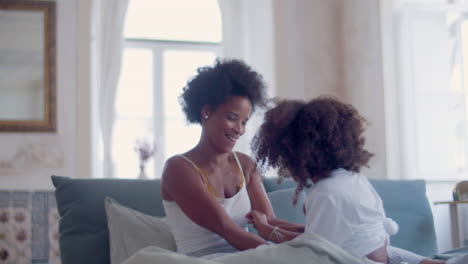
point(406, 93)
point(157, 48)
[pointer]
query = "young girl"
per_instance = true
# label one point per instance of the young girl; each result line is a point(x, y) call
point(322, 142)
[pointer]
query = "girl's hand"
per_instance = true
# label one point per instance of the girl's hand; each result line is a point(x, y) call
point(260, 222)
point(259, 217)
point(250, 218)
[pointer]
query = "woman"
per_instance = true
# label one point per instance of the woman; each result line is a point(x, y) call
point(322, 142)
point(208, 190)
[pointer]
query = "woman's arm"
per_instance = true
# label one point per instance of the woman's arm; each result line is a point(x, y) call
point(258, 199)
point(182, 183)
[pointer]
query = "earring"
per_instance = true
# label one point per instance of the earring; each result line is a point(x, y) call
point(205, 117)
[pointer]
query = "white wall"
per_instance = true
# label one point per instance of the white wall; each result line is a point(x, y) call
point(307, 48)
point(362, 74)
point(27, 160)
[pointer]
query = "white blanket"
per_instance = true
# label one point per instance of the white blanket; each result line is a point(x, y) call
point(305, 249)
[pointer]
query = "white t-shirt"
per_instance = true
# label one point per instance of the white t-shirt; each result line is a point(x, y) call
point(346, 210)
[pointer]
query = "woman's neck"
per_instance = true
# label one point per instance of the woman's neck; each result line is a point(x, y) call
point(208, 155)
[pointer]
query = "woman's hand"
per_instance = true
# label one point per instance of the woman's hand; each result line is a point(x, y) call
point(260, 222)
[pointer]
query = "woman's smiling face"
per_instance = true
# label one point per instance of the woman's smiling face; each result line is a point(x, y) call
point(226, 123)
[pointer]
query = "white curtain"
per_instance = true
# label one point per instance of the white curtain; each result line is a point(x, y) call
point(248, 34)
point(107, 27)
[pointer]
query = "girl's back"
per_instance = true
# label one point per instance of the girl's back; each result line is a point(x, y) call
point(345, 209)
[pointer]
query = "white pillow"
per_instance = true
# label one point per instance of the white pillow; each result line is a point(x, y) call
point(130, 230)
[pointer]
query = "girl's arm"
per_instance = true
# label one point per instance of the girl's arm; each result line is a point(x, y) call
point(270, 232)
point(286, 225)
point(259, 199)
point(281, 223)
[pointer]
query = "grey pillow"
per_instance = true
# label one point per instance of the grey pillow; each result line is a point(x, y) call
point(130, 230)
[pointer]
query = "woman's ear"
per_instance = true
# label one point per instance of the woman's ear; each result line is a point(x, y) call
point(205, 112)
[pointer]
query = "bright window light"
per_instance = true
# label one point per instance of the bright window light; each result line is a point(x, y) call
point(166, 41)
point(179, 67)
point(135, 92)
point(185, 20)
point(434, 92)
point(134, 111)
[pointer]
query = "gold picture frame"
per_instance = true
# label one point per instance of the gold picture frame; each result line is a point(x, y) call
point(28, 49)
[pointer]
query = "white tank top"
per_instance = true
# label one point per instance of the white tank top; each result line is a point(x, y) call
point(192, 239)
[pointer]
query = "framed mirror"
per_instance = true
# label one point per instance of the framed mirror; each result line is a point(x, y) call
point(27, 66)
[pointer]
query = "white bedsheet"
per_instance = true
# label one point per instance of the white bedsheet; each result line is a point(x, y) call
point(307, 248)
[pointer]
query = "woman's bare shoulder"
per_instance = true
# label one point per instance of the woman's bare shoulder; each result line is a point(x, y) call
point(245, 159)
point(174, 160)
point(177, 170)
point(176, 167)
point(247, 163)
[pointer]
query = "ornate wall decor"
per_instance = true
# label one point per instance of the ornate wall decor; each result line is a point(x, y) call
point(33, 155)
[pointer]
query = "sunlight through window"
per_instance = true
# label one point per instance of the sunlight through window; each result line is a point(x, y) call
point(178, 67)
point(184, 20)
point(166, 41)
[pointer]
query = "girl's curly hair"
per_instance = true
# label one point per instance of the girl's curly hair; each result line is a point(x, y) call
point(311, 139)
point(214, 84)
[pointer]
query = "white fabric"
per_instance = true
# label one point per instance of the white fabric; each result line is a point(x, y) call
point(248, 34)
point(130, 231)
point(194, 239)
point(190, 237)
point(401, 256)
point(108, 22)
point(463, 259)
point(306, 248)
point(346, 210)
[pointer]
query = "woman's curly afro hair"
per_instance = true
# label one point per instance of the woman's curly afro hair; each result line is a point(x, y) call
point(311, 139)
point(213, 85)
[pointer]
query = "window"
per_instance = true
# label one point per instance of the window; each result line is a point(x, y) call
point(433, 75)
point(166, 41)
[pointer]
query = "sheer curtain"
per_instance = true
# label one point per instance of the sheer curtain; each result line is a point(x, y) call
point(108, 20)
point(248, 34)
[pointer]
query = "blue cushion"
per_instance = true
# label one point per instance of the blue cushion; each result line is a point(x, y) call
point(281, 200)
point(271, 184)
point(405, 202)
point(84, 237)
